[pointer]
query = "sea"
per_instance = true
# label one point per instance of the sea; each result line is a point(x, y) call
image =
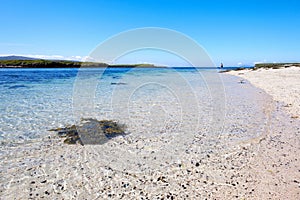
point(149, 101)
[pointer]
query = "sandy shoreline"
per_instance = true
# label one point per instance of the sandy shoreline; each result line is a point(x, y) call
point(277, 162)
point(282, 84)
point(263, 168)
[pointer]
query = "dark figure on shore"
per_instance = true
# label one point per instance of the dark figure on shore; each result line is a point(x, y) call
point(221, 65)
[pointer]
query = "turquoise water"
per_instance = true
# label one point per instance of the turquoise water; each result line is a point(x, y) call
point(149, 101)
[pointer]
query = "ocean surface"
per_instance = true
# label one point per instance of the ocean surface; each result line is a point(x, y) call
point(149, 101)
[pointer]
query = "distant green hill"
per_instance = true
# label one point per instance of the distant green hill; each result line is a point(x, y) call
point(40, 63)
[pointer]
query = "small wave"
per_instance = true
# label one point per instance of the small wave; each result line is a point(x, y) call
point(17, 86)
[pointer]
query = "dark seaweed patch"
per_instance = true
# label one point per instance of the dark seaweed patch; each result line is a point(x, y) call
point(120, 83)
point(90, 131)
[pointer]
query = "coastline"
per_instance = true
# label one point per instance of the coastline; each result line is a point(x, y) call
point(282, 84)
point(277, 165)
point(255, 169)
point(40, 63)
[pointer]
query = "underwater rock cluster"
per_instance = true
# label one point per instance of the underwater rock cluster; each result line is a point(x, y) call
point(90, 131)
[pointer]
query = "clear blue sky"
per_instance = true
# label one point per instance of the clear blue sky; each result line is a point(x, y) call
point(231, 31)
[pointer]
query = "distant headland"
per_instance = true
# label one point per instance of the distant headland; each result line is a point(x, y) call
point(25, 62)
point(276, 65)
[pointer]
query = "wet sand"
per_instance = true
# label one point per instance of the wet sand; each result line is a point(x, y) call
point(277, 163)
point(282, 84)
point(254, 158)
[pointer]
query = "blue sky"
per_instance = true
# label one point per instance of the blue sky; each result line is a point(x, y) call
point(231, 31)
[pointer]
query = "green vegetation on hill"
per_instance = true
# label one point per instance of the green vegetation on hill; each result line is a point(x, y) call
point(275, 65)
point(61, 64)
point(47, 64)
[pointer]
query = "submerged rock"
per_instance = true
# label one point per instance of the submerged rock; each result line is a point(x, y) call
point(91, 131)
point(120, 83)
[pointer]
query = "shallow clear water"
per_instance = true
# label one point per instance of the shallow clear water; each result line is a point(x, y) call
point(149, 101)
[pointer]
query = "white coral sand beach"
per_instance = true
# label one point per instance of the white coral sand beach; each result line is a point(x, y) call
point(283, 84)
point(278, 161)
point(233, 165)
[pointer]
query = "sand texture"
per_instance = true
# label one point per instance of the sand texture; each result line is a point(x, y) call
point(255, 157)
point(282, 84)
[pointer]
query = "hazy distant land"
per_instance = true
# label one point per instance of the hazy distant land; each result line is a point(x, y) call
point(24, 62)
point(62, 64)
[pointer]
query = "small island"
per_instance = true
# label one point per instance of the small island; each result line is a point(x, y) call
point(41, 63)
